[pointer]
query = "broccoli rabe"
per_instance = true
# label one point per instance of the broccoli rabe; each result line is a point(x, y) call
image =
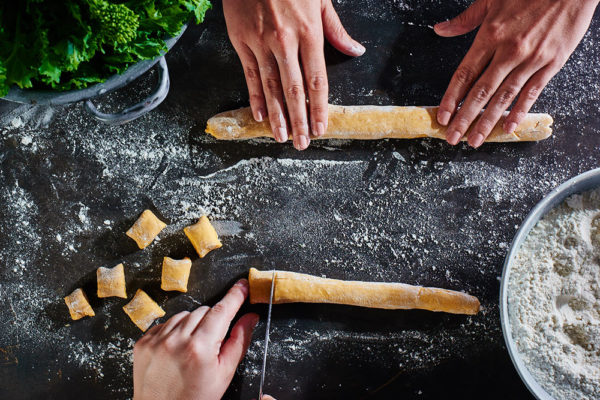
point(71, 44)
point(117, 23)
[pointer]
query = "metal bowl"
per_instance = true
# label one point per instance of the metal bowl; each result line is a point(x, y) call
point(581, 183)
point(52, 97)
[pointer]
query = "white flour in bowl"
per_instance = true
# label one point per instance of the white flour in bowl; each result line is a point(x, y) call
point(554, 299)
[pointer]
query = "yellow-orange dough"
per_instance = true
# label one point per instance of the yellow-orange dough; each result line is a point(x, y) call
point(111, 282)
point(78, 304)
point(203, 236)
point(175, 274)
point(145, 229)
point(143, 310)
point(375, 122)
point(292, 287)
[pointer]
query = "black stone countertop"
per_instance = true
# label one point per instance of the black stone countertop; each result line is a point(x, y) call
point(419, 212)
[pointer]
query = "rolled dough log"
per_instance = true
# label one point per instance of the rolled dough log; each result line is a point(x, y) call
point(293, 287)
point(375, 122)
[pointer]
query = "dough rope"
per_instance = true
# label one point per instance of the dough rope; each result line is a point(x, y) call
point(375, 122)
point(293, 287)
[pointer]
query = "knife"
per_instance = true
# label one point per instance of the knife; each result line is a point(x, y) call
point(264, 364)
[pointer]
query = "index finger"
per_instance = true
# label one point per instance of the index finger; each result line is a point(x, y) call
point(216, 322)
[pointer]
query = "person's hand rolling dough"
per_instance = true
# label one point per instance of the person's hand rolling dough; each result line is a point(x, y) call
point(187, 357)
point(280, 45)
point(519, 47)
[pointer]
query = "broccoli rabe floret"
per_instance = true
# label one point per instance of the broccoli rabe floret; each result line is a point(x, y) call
point(118, 24)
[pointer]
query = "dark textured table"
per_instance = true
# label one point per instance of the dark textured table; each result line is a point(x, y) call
point(419, 212)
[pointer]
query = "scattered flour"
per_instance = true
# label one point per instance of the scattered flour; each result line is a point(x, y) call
point(554, 299)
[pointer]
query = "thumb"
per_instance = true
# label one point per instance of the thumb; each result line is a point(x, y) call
point(234, 349)
point(336, 34)
point(465, 22)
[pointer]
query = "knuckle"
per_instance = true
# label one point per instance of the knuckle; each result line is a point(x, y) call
point(169, 344)
point(196, 350)
point(318, 82)
point(273, 85)
point(306, 30)
point(539, 54)
point(252, 73)
point(494, 31)
point(236, 37)
point(256, 98)
point(517, 48)
point(485, 125)
point(337, 31)
point(448, 104)
point(282, 37)
point(298, 124)
point(219, 308)
point(318, 109)
point(462, 123)
point(517, 115)
point(507, 95)
point(295, 92)
point(481, 92)
point(532, 93)
point(464, 75)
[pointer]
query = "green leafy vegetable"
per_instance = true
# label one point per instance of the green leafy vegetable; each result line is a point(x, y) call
point(70, 44)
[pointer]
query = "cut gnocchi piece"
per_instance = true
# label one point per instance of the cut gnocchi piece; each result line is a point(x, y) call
point(78, 304)
point(175, 274)
point(143, 310)
point(111, 282)
point(203, 236)
point(145, 229)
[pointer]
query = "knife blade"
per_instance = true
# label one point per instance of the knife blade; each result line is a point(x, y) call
point(264, 364)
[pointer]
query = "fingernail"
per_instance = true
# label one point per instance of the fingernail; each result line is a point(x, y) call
point(358, 49)
point(443, 117)
point(454, 137)
point(476, 140)
point(259, 115)
point(319, 129)
point(302, 142)
point(510, 128)
point(242, 282)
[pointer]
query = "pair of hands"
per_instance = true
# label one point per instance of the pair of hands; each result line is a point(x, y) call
point(520, 46)
point(188, 358)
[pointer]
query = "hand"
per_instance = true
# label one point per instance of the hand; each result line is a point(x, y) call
point(280, 44)
point(520, 46)
point(187, 357)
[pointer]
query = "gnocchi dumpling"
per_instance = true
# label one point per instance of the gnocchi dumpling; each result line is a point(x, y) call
point(145, 229)
point(111, 281)
point(203, 236)
point(175, 274)
point(143, 310)
point(78, 304)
